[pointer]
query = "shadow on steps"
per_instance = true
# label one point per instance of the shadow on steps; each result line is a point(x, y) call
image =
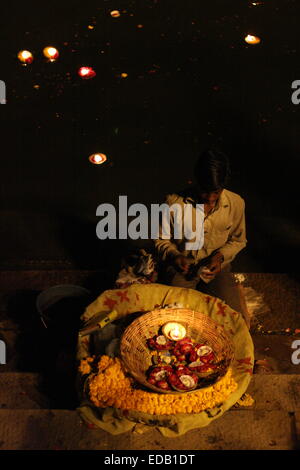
point(51, 351)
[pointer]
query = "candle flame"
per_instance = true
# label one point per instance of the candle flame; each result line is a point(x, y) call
point(98, 158)
point(51, 52)
point(86, 72)
point(25, 56)
point(252, 39)
point(176, 332)
point(115, 13)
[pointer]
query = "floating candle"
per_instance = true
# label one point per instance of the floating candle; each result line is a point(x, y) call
point(86, 72)
point(51, 53)
point(26, 57)
point(97, 158)
point(115, 13)
point(253, 40)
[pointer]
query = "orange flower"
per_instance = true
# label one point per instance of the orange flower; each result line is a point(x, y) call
point(110, 387)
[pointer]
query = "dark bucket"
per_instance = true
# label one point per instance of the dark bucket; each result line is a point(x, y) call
point(51, 302)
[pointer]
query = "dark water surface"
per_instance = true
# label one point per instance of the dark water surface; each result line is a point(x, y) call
point(192, 81)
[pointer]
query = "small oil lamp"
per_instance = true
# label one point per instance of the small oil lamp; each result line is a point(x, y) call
point(86, 72)
point(115, 13)
point(253, 40)
point(174, 331)
point(98, 158)
point(51, 53)
point(26, 57)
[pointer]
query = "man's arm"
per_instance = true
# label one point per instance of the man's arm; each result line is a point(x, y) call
point(237, 237)
point(166, 249)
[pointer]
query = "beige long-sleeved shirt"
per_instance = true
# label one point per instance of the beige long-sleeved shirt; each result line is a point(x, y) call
point(224, 230)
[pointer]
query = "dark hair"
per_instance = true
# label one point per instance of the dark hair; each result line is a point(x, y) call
point(212, 170)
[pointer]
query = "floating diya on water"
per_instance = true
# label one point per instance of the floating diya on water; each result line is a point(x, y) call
point(253, 40)
point(115, 13)
point(86, 72)
point(97, 158)
point(51, 53)
point(174, 331)
point(26, 57)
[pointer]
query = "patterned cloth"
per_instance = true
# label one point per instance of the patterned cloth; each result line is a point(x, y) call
point(144, 298)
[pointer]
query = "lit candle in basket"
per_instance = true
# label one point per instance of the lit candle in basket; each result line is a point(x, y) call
point(174, 331)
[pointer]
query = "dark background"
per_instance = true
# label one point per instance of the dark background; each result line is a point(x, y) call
point(192, 82)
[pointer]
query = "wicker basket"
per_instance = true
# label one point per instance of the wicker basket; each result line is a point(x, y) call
point(136, 355)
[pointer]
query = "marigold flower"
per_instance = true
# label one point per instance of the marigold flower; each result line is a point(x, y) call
point(110, 387)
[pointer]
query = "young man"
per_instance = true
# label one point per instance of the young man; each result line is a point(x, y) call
point(207, 269)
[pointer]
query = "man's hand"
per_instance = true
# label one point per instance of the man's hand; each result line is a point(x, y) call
point(215, 264)
point(181, 263)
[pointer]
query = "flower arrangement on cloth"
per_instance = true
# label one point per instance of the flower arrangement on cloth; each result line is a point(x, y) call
point(110, 387)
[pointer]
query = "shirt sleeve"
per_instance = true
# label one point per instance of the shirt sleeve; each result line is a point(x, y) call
point(237, 237)
point(166, 248)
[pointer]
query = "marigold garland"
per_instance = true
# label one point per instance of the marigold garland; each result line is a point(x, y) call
point(85, 365)
point(245, 400)
point(111, 387)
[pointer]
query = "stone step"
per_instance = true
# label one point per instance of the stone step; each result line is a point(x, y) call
point(275, 392)
point(277, 351)
point(12, 281)
point(40, 429)
point(64, 430)
point(271, 423)
point(21, 390)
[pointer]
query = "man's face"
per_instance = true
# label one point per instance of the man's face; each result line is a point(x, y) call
point(209, 197)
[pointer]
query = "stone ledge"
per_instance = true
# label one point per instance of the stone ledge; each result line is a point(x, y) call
point(21, 390)
point(63, 430)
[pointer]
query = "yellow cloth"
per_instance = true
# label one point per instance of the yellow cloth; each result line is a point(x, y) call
point(224, 229)
point(138, 298)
